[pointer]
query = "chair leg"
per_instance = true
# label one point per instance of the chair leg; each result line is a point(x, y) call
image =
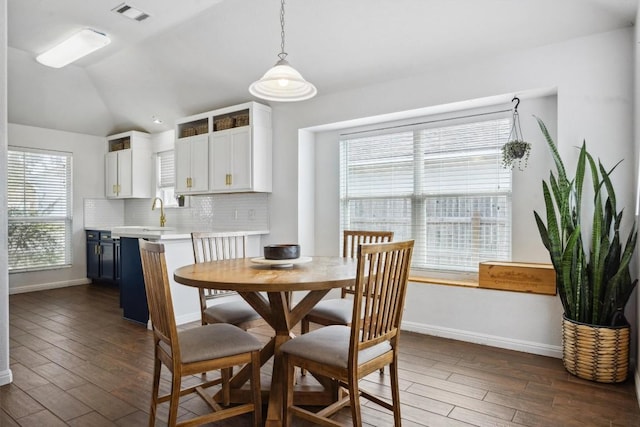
point(157, 366)
point(304, 328)
point(257, 391)
point(395, 391)
point(226, 374)
point(287, 392)
point(354, 401)
point(174, 402)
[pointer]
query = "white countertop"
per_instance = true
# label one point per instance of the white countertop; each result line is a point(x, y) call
point(166, 233)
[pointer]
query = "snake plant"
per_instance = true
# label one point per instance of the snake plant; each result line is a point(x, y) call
point(593, 282)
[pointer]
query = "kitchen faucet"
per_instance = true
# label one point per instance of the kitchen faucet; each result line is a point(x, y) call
point(163, 219)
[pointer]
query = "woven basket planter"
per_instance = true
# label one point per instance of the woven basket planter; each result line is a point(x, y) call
point(595, 353)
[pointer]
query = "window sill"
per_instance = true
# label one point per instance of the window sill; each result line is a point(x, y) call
point(532, 278)
point(469, 280)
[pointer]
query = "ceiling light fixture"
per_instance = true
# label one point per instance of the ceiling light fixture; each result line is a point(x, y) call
point(282, 82)
point(156, 120)
point(75, 47)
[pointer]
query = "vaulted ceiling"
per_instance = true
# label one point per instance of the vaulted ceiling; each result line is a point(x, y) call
point(196, 55)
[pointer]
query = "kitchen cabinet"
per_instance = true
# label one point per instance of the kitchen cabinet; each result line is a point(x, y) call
point(133, 297)
point(230, 160)
point(192, 164)
point(128, 166)
point(103, 256)
point(238, 153)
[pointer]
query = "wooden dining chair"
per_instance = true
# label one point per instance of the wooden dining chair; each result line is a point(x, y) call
point(212, 246)
point(192, 351)
point(349, 353)
point(337, 311)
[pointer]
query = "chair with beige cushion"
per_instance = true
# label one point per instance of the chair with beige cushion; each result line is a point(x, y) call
point(337, 311)
point(193, 351)
point(219, 246)
point(349, 353)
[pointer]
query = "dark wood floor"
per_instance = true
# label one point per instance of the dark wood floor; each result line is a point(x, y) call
point(76, 362)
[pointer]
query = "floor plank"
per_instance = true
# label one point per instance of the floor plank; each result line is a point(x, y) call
point(76, 362)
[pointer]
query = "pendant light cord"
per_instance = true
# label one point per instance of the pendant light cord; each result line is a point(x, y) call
point(282, 55)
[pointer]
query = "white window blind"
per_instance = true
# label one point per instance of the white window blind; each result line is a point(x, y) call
point(39, 197)
point(166, 178)
point(441, 184)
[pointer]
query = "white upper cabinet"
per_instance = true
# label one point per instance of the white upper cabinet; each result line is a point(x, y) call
point(238, 153)
point(192, 164)
point(128, 166)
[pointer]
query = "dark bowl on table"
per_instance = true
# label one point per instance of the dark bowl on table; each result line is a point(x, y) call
point(278, 252)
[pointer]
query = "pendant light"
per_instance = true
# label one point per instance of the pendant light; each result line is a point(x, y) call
point(282, 82)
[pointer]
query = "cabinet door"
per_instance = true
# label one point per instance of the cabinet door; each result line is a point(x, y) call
point(192, 164)
point(220, 153)
point(107, 261)
point(111, 175)
point(200, 163)
point(230, 159)
point(182, 154)
point(125, 171)
point(240, 178)
point(93, 259)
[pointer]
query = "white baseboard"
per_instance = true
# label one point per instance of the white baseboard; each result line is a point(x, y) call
point(188, 318)
point(6, 377)
point(490, 340)
point(46, 286)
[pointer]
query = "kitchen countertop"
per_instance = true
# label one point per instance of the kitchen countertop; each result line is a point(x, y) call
point(166, 233)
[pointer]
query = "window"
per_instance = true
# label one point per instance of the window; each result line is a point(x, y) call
point(39, 203)
point(440, 183)
point(166, 178)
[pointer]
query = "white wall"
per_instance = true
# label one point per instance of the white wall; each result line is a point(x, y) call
point(88, 181)
point(5, 372)
point(593, 77)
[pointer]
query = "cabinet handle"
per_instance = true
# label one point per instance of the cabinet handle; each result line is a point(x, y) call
point(189, 182)
point(115, 189)
point(230, 179)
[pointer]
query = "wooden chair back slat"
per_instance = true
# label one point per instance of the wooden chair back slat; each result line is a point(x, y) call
point(351, 239)
point(157, 288)
point(382, 277)
point(214, 246)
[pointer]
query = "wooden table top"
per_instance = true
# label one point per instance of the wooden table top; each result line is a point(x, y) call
point(243, 275)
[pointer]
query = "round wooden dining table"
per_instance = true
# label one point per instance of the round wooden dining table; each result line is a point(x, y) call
point(252, 280)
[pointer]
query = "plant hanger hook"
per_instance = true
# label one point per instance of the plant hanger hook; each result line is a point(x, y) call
point(515, 98)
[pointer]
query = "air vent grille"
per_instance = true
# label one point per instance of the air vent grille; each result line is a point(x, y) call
point(130, 12)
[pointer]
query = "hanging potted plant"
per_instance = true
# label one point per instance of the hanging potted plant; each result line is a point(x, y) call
point(592, 271)
point(515, 152)
point(516, 149)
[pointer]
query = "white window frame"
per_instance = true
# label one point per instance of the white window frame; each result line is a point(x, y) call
point(31, 192)
point(399, 193)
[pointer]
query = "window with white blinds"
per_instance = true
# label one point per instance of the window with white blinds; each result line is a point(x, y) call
point(39, 198)
point(440, 183)
point(166, 177)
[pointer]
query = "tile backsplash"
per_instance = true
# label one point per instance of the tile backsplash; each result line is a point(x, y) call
point(103, 213)
point(240, 211)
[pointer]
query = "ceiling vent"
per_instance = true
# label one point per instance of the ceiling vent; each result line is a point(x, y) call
point(130, 12)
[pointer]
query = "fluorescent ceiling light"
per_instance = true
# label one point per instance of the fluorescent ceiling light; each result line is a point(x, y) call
point(75, 47)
